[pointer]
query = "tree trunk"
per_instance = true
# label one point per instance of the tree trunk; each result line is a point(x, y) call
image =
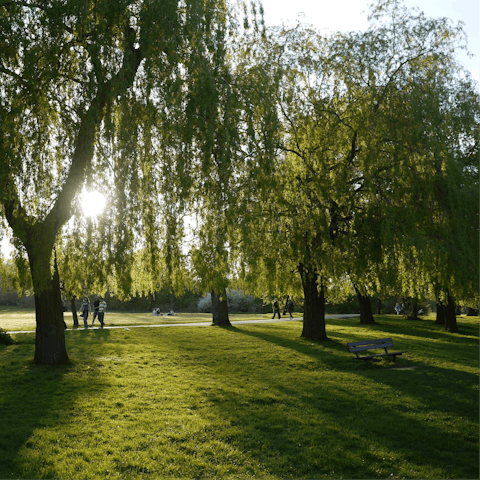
point(366, 314)
point(414, 311)
point(50, 348)
point(314, 307)
point(220, 309)
point(440, 316)
point(471, 312)
point(450, 316)
point(379, 306)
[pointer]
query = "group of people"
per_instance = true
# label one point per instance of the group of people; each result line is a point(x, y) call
point(99, 308)
point(287, 308)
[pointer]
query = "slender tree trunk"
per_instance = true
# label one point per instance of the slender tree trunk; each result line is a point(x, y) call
point(450, 316)
point(366, 314)
point(440, 316)
point(314, 307)
point(220, 309)
point(379, 306)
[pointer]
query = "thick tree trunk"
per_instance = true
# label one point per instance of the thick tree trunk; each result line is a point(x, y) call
point(440, 316)
point(314, 305)
point(50, 348)
point(450, 316)
point(366, 314)
point(220, 309)
point(413, 314)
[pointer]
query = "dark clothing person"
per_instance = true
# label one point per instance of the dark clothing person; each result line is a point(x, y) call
point(289, 307)
point(96, 304)
point(276, 309)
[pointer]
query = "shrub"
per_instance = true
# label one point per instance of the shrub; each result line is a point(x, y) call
point(237, 302)
point(5, 338)
point(205, 304)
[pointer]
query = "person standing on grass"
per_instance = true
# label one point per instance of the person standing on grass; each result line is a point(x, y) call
point(96, 304)
point(276, 309)
point(101, 311)
point(85, 310)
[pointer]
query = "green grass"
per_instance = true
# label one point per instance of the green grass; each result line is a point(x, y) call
point(250, 401)
point(16, 319)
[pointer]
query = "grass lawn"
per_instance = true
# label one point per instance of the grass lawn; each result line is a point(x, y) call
point(16, 319)
point(249, 401)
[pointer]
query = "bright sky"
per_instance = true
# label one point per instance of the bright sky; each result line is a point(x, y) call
point(346, 15)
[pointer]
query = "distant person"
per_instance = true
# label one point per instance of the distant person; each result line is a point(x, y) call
point(290, 307)
point(96, 304)
point(101, 313)
point(398, 308)
point(85, 310)
point(276, 308)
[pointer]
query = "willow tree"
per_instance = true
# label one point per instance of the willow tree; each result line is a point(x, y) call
point(81, 80)
point(366, 120)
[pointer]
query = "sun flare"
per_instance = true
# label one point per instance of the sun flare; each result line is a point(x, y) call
point(93, 203)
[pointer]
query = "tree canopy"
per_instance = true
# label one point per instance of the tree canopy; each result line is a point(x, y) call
point(120, 95)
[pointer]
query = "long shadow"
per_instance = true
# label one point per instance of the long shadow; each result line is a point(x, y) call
point(334, 355)
point(33, 398)
point(341, 418)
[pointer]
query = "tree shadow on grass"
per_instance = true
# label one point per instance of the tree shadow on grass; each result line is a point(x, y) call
point(33, 399)
point(355, 419)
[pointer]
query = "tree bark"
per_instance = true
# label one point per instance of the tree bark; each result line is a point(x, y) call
point(440, 316)
point(366, 314)
point(379, 306)
point(50, 348)
point(413, 314)
point(314, 307)
point(220, 309)
point(450, 316)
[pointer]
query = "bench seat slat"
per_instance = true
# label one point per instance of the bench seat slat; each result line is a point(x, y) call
point(369, 342)
point(371, 347)
point(366, 357)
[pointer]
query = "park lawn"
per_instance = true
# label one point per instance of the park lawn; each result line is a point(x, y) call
point(17, 319)
point(249, 401)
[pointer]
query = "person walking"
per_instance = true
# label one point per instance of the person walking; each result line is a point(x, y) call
point(85, 310)
point(96, 304)
point(290, 307)
point(101, 311)
point(276, 309)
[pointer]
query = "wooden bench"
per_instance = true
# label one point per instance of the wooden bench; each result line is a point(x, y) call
point(384, 343)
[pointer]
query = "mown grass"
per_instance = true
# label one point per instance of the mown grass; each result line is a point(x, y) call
point(16, 319)
point(249, 401)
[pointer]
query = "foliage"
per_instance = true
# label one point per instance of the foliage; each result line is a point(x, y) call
point(122, 97)
point(237, 302)
point(376, 160)
point(5, 338)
